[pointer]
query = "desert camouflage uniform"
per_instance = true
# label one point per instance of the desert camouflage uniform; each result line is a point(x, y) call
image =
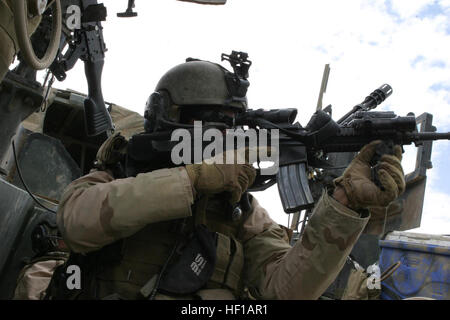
point(35, 277)
point(97, 210)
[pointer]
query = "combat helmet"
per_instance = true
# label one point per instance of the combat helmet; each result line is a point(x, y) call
point(196, 84)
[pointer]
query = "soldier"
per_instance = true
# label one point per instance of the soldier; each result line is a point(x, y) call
point(169, 233)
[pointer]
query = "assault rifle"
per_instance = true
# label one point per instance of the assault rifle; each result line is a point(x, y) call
point(301, 149)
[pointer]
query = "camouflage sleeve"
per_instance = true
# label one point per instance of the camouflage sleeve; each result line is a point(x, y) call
point(275, 270)
point(96, 210)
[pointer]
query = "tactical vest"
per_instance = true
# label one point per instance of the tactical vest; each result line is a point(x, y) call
point(123, 269)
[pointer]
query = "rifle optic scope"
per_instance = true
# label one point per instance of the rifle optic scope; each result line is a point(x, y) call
point(287, 115)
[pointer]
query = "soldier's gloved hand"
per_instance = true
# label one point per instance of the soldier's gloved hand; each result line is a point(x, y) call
point(211, 178)
point(357, 183)
point(111, 150)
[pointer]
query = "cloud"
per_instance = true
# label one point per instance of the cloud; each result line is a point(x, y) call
point(416, 60)
point(431, 10)
point(413, 8)
point(438, 64)
point(440, 86)
point(392, 11)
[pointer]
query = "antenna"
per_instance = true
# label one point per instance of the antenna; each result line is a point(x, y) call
point(323, 89)
point(323, 86)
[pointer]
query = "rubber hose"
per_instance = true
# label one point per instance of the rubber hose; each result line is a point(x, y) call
point(25, 47)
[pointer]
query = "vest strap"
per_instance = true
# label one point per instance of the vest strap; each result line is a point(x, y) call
point(234, 274)
point(223, 257)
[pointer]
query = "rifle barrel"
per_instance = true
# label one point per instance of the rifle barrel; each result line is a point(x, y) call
point(430, 136)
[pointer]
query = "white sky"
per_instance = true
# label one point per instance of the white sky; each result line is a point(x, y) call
point(403, 43)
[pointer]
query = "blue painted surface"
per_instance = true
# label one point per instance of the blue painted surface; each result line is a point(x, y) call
point(424, 270)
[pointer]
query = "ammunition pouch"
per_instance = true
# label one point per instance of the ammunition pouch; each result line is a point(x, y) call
point(229, 265)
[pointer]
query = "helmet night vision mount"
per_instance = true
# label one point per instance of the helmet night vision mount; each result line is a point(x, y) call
point(195, 85)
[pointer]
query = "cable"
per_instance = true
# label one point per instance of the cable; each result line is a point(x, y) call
point(23, 182)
